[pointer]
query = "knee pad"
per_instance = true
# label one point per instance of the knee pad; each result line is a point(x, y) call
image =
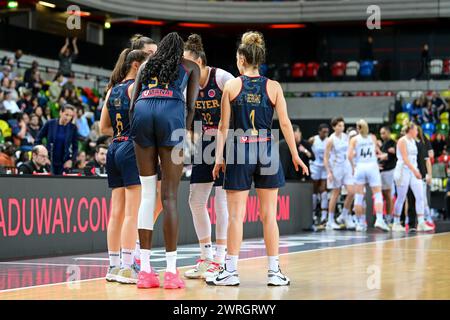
point(198, 198)
point(359, 199)
point(378, 197)
point(324, 200)
point(148, 200)
point(221, 213)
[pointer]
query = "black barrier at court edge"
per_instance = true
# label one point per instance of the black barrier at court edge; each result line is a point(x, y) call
point(45, 216)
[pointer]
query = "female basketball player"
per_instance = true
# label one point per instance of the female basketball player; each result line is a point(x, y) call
point(158, 129)
point(207, 113)
point(339, 173)
point(318, 171)
point(407, 175)
point(362, 154)
point(123, 176)
point(249, 101)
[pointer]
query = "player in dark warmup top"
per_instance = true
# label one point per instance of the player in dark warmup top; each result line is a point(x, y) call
point(207, 115)
point(158, 128)
point(249, 101)
point(123, 176)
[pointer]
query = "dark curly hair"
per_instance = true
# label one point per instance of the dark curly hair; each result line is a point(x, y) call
point(164, 63)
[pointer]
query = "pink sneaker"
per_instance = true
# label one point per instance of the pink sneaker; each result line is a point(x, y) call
point(148, 280)
point(173, 281)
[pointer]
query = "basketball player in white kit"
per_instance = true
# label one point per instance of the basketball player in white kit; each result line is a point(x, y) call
point(339, 174)
point(407, 175)
point(318, 171)
point(362, 154)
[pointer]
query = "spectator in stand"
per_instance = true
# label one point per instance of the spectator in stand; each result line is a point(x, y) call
point(424, 63)
point(39, 162)
point(21, 136)
point(13, 88)
point(47, 114)
point(66, 57)
point(9, 103)
point(28, 76)
point(2, 97)
point(13, 60)
point(7, 158)
point(35, 85)
point(70, 83)
point(97, 166)
point(439, 143)
point(304, 150)
point(429, 113)
point(82, 124)
point(366, 50)
point(39, 112)
point(5, 83)
point(34, 126)
point(440, 105)
point(6, 72)
point(419, 103)
point(62, 141)
point(25, 104)
point(55, 88)
point(81, 160)
point(94, 134)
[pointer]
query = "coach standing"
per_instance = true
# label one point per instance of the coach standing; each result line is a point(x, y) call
point(62, 142)
point(387, 166)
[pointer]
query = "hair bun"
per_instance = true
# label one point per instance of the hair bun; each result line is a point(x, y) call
point(253, 38)
point(194, 43)
point(136, 37)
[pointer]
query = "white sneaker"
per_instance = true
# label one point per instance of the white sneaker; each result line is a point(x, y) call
point(224, 278)
point(361, 227)
point(340, 219)
point(199, 270)
point(111, 275)
point(423, 227)
point(127, 276)
point(397, 227)
point(213, 270)
point(276, 278)
point(380, 224)
point(349, 223)
point(332, 225)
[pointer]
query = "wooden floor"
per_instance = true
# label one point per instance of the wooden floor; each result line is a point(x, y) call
point(408, 268)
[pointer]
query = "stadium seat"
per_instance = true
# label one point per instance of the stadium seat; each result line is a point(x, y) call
point(298, 70)
point(442, 128)
point(360, 94)
point(444, 117)
point(446, 67)
point(352, 69)
point(366, 69)
point(396, 128)
point(318, 95)
point(338, 69)
point(407, 107)
point(388, 94)
point(428, 129)
point(436, 66)
point(416, 94)
point(403, 94)
point(375, 94)
point(401, 117)
point(445, 94)
point(5, 129)
point(312, 69)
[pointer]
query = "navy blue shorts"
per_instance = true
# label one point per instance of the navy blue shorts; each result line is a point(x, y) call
point(202, 172)
point(121, 165)
point(253, 162)
point(156, 122)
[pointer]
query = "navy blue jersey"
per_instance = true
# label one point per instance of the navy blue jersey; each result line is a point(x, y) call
point(118, 108)
point(173, 90)
point(207, 105)
point(252, 110)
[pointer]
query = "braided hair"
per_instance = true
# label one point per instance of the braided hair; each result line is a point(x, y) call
point(164, 63)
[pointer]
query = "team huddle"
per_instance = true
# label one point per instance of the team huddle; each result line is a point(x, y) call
point(155, 95)
point(354, 160)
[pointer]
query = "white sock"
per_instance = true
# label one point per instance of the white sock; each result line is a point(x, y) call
point(330, 216)
point(221, 250)
point(207, 252)
point(231, 263)
point(344, 213)
point(324, 201)
point(323, 215)
point(126, 258)
point(362, 219)
point(171, 262)
point(114, 258)
point(397, 219)
point(379, 215)
point(273, 263)
point(420, 218)
point(145, 260)
point(137, 250)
